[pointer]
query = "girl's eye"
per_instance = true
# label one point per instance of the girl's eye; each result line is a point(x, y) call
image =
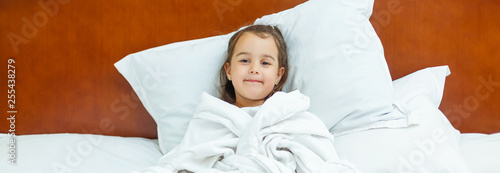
point(266, 63)
point(244, 60)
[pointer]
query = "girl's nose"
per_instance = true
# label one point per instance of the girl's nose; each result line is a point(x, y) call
point(254, 69)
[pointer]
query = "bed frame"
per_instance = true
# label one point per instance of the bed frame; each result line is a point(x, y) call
point(64, 52)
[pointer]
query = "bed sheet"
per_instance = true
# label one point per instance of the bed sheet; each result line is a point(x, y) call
point(482, 151)
point(78, 153)
point(84, 153)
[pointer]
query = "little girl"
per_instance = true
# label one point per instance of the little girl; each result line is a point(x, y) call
point(256, 62)
point(256, 66)
point(254, 128)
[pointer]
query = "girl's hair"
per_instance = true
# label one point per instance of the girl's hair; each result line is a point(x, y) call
point(264, 31)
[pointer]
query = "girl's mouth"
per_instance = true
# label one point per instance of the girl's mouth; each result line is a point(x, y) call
point(253, 81)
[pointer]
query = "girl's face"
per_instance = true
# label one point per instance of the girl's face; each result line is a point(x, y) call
point(254, 69)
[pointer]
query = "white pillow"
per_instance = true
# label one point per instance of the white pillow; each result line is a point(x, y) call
point(430, 146)
point(170, 79)
point(338, 61)
point(428, 82)
point(335, 57)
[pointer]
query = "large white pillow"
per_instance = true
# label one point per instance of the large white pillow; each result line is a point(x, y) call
point(430, 146)
point(170, 79)
point(338, 61)
point(335, 57)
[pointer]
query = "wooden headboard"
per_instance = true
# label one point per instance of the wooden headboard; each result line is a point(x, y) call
point(64, 52)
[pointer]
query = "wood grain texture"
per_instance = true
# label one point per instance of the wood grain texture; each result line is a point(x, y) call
point(65, 51)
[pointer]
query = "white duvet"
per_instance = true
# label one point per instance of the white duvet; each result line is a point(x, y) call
point(281, 137)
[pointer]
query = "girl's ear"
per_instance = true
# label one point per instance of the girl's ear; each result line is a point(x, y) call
point(281, 71)
point(227, 67)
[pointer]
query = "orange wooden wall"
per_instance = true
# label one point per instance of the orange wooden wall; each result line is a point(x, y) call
point(65, 51)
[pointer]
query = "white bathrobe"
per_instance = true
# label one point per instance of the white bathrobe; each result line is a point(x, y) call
point(281, 137)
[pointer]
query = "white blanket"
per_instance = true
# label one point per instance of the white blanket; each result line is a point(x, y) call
point(282, 137)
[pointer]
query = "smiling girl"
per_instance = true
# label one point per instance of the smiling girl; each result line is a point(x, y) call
point(256, 66)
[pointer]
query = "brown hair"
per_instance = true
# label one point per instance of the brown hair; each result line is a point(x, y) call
point(227, 89)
